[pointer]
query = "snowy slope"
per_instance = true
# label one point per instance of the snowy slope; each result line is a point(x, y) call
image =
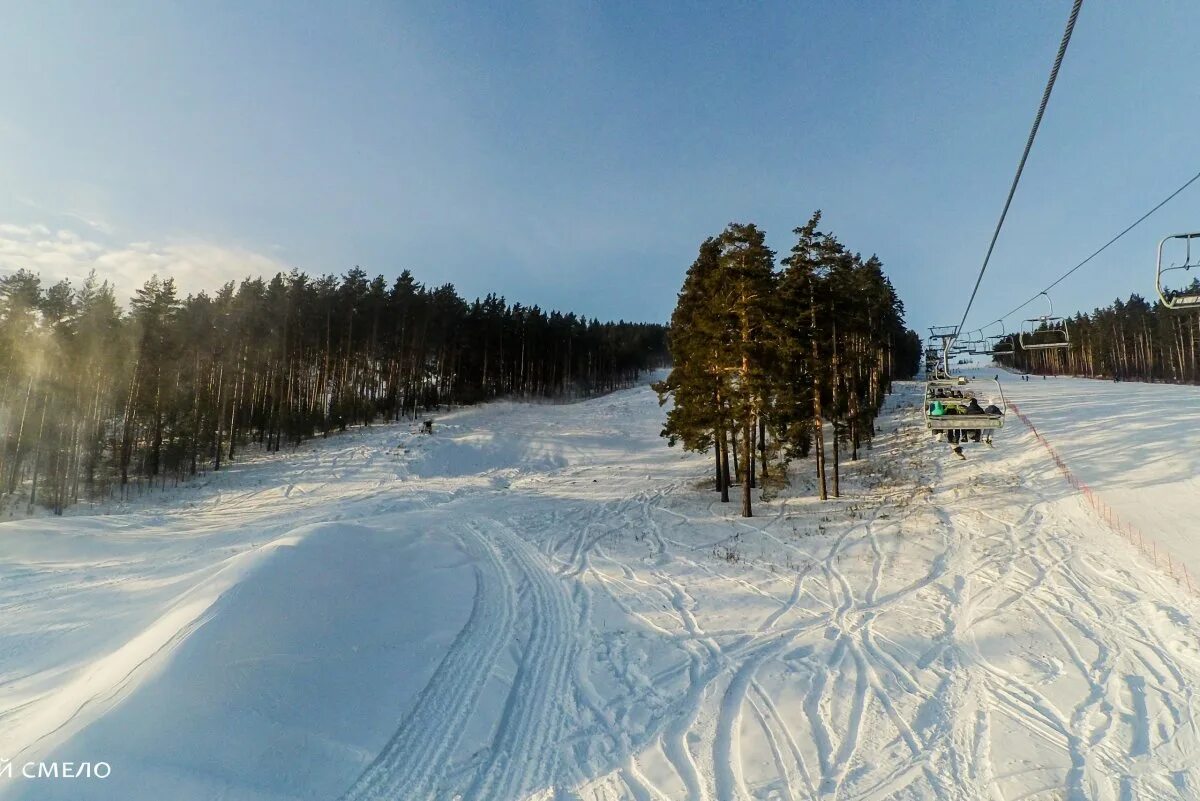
point(546, 602)
point(1134, 443)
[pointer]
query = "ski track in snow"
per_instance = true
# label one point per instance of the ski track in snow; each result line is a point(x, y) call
point(946, 630)
point(413, 762)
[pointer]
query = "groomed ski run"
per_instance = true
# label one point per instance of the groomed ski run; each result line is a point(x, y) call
point(544, 602)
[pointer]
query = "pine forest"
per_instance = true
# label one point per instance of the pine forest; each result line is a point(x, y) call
point(1129, 340)
point(99, 400)
point(766, 358)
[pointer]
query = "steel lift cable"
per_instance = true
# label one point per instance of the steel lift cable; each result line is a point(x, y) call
point(1037, 121)
point(1100, 250)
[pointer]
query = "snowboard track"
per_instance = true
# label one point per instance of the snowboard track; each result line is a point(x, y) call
point(951, 630)
point(873, 670)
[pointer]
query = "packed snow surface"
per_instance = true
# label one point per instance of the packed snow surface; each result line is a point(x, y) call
point(545, 602)
point(1135, 444)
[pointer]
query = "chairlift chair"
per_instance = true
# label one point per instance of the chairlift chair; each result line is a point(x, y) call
point(1002, 345)
point(1179, 299)
point(949, 343)
point(986, 391)
point(1046, 332)
point(938, 369)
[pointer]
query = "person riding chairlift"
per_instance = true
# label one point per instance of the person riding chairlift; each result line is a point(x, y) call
point(936, 409)
point(974, 408)
point(953, 435)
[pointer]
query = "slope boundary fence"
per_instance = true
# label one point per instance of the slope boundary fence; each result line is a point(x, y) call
point(1161, 557)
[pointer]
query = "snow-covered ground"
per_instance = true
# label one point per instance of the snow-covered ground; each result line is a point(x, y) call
point(1137, 445)
point(545, 602)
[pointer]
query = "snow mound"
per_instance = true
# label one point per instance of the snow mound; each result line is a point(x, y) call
point(292, 677)
point(480, 453)
point(607, 629)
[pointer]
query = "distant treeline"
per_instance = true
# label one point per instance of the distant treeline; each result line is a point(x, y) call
point(765, 357)
point(95, 398)
point(1133, 340)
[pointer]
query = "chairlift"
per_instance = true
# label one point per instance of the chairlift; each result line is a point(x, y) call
point(1180, 299)
point(937, 367)
point(943, 331)
point(1002, 345)
point(937, 359)
point(948, 334)
point(933, 357)
point(977, 347)
point(987, 392)
point(1045, 333)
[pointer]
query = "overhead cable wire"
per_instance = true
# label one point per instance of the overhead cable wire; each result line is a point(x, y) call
point(1097, 252)
point(1037, 121)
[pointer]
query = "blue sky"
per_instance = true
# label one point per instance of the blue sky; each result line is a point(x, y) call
point(575, 154)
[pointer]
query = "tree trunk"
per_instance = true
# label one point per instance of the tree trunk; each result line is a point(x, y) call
point(762, 443)
point(747, 467)
point(37, 455)
point(837, 447)
point(16, 467)
point(836, 412)
point(752, 456)
point(736, 448)
point(719, 482)
point(724, 442)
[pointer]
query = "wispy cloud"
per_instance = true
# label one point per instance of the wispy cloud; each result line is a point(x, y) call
point(61, 253)
point(91, 219)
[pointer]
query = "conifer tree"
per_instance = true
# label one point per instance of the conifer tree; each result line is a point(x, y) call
point(698, 382)
point(760, 354)
point(744, 302)
point(803, 289)
point(95, 398)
